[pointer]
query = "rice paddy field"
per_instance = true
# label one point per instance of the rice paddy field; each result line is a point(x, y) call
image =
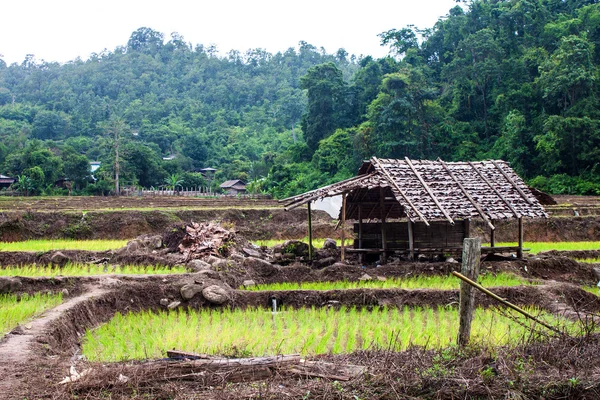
point(89, 270)
point(535, 247)
point(416, 282)
point(312, 331)
point(15, 310)
point(63, 244)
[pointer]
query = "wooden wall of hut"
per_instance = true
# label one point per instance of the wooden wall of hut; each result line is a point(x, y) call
point(439, 235)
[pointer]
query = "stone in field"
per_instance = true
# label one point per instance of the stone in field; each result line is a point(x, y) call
point(365, 277)
point(330, 244)
point(215, 294)
point(261, 267)
point(9, 285)
point(189, 291)
point(248, 283)
point(198, 265)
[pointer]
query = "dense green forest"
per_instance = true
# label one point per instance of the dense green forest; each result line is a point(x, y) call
point(513, 79)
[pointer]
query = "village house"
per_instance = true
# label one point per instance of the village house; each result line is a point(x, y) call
point(233, 187)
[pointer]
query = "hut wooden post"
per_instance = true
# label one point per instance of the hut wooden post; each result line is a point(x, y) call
point(411, 241)
point(360, 234)
point(520, 250)
point(310, 246)
point(467, 227)
point(383, 256)
point(470, 268)
point(343, 226)
point(492, 236)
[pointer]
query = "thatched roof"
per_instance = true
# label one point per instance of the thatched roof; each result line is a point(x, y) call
point(432, 190)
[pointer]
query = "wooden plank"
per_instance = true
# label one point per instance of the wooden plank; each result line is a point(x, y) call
point(383, 258)
point(469, 268)
point(495, 190)
point(360, 233)
point(392, 182)
point(411, 241)
point(520, 251)
point(428, 190)
point(310, 248)
point(467, 194)
point(343, 220)
point(513, 183)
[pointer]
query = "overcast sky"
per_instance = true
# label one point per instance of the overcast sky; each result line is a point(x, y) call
point(61, 30)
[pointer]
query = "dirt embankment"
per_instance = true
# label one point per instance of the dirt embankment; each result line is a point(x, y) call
point(254, 224)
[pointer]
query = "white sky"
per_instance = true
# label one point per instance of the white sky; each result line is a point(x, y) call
point(61, 30)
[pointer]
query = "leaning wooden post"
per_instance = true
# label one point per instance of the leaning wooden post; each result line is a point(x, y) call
point(343, 227)
point(470, 268)
point(310, 246)
point(492, 236)
point(520, 250)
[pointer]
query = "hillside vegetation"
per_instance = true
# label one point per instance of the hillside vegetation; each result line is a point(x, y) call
point(517, 80)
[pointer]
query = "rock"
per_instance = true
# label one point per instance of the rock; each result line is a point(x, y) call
point(134, 245)
point(596, 271)
point(324, 262)
point(212, 259)
point(58, 258)
point(365, 277)
point(9, 284)
point(173, 305)
point(252, 252)
point(209, 274)
point(330, 244)
point(198, 265)
point(153, 242)
point(422, 258)
point(237, 257)
point(164, 302)
point(189, 291)
point(381, 278)
point(223, 265)
point(339, 264)
point(215, 294)
point(451, 260)
point(248, 283)
point(65, 292)
point(261, 267)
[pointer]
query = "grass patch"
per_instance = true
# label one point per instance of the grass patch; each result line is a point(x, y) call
point(588, 260)
point(537, 247)
point(312, 331)
point(87, 269)
point(15, 310)
point(592, 289)
point(49, 245)
point(416, 282)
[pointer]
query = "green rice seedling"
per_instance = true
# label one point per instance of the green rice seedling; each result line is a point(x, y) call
point(308, 331)
point(442, 282)
point(44, 245)
point(537, 247)
point(592, 289)
point(74, 269)
point(588, 260)
point(15, 310)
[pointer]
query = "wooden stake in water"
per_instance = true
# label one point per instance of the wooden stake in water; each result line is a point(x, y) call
point(470, 268)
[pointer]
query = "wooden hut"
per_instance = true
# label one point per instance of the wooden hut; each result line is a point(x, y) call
point(412, 207)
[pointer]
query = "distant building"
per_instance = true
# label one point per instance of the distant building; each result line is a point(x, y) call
point(6, 181)
point(233, 187)
point(94, 165)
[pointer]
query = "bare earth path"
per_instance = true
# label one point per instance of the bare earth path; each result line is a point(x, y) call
point(16, 350)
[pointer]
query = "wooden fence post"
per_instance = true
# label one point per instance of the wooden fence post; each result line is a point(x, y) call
point(470, 268)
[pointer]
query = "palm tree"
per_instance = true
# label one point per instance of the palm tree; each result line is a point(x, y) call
point(174, 181)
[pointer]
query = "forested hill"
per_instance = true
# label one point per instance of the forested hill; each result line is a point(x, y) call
point(517, 80)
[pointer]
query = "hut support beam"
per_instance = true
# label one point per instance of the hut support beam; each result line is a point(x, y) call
point(343, 227)
point(310, 246)
point(360, 234)
point(492, 237)
point(520, 250)
point(383, 257)
point(411, 241)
